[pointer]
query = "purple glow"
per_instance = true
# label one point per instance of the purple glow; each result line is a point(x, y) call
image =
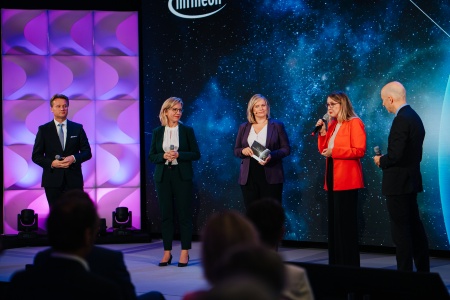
point(109, 199)
point(16, 200)
point(119, 122)
point(115, 165)
point(31, 71)
point(68, 34)
point(48, 52)
point(72, 76)
point(123, 79)
point(24, 32)
point(21, 119)
point(22, 172)
point(116, 35)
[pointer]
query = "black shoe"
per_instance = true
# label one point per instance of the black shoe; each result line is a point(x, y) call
point(183, 264)
point(165, 264)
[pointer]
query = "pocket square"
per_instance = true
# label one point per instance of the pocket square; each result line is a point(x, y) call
point(73, 136)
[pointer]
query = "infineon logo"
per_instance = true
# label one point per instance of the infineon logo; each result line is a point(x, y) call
point(195, 9)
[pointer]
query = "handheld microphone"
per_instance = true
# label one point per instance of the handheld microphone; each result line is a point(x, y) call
point(377, 151)
point(58, 157)
point(325, 119)
point(172, 147)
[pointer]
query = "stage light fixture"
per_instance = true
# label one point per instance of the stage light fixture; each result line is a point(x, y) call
point(27, 223)
point(121, 221)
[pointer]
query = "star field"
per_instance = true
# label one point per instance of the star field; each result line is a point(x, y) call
point(295, 53)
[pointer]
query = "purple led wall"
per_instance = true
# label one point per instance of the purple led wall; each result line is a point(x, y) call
point(92, 57)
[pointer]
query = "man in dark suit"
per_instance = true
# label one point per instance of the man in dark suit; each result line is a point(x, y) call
point(72, 228)
point(109, 264)
point(105, 262)
point(402, 180)
point(61, 146)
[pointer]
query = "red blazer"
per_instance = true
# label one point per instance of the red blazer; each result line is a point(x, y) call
point(349, 148)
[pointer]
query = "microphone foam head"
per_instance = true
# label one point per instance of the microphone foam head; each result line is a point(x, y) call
point(377, 151)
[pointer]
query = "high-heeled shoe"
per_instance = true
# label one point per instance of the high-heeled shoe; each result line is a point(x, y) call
point(181, 265)
point(166, 263)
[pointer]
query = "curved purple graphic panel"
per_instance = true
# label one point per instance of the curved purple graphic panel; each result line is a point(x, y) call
point(24, 77)
point(68, 34)
point(122, 81)
point(72, 75)
point(46, 52)
point(24, 32)
point(116, 35)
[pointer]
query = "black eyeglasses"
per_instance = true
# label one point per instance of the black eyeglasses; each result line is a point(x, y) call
point(328, 105)
point(175, 110)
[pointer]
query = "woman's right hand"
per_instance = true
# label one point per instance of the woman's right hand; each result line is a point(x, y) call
point(247, 151)
point(321, 123)
point(168, 156)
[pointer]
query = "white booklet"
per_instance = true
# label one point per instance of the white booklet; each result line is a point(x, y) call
point(260, 152)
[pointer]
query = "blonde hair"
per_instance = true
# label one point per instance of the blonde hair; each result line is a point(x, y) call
point(346, 112)
point(255, 98)
point(168, 104)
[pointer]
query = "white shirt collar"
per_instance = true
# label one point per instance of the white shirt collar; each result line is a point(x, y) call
point(64, 122)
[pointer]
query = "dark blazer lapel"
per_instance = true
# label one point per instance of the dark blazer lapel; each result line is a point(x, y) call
point(70, 133)
point(247, 129)
point(182, 137)
point(159, 140)
point(270, 132)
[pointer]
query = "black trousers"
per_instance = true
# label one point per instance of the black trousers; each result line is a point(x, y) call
point(54, 193)
point(408, 233)
point(257, 186)
point(343, 247)
point(175, 196)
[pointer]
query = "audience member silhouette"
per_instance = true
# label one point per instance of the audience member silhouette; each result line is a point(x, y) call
point(255, 261)
point(72, 228)
point(255, 265)
point(73, 268)
point(222, 231)
point(240, 288)
point(268, 217)
point(109, 264)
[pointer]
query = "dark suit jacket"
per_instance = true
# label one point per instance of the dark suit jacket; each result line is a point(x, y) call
point(401, 163)
point(277, 142)
point(107, 263)
point(61, 278)
point(188, 151)
point(47, 146)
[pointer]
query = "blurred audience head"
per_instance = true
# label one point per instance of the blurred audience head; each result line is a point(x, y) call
point(268, 217)
point(251, 261)
point(240, 288)
point(73, 223)
point(221, 232)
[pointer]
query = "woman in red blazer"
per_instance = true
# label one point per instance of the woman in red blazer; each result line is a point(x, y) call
point(343, 145)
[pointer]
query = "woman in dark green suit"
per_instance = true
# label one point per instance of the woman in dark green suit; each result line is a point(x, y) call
point(173, 149)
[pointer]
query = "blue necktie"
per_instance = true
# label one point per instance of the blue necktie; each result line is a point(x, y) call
point(61, 134)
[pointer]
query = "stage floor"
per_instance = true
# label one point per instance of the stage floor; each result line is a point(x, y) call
point(142, 259)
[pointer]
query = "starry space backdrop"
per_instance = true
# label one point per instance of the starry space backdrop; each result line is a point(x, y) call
point(295, 53)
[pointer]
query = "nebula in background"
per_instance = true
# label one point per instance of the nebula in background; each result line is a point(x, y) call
point(295, 53)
